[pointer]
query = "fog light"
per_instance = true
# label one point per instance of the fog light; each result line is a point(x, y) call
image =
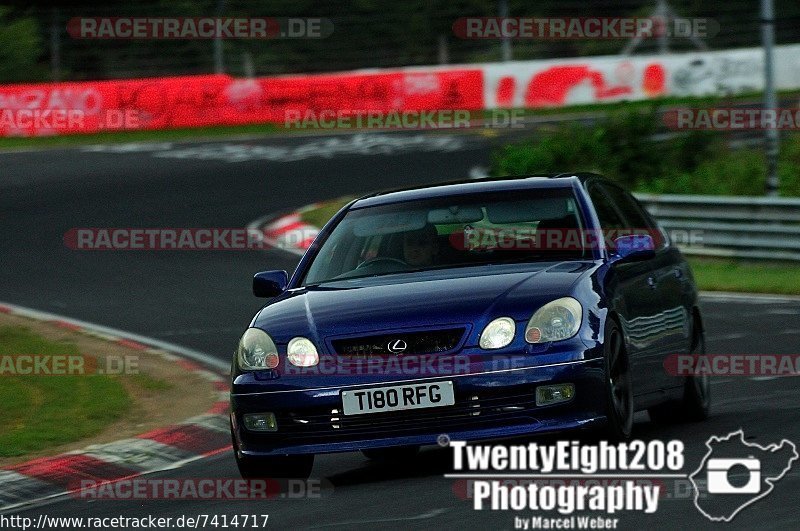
point(553, 394)
point(260, 422)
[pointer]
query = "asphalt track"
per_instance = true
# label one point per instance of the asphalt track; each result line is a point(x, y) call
point(202, 300)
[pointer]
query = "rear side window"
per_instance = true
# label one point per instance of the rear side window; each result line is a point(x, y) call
point(618, 210)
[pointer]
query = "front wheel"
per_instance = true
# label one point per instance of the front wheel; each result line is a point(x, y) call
point(619, 389)
point(272, 466)
point(277, 466)
point(396, 455)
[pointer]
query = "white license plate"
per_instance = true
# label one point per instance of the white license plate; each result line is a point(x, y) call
point(398, 397)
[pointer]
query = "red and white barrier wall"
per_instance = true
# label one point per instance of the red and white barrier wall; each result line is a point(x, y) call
point(194, 101)
point(562, 82)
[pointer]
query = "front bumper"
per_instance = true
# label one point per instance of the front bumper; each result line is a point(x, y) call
point(488, 405)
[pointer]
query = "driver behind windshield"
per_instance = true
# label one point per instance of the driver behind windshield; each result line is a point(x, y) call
point(420, 247)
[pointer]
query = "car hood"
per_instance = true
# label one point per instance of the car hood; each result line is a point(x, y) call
point(422, 299)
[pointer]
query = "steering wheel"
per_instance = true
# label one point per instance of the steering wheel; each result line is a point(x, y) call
point(381, 259)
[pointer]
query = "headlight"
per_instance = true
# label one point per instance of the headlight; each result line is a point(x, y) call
point(556, 320)
point(256, 351)
point(302, 353)
point(498, 333)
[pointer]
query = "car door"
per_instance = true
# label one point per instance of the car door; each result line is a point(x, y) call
point(633, 296)
point(675, 294)
point(668, 324)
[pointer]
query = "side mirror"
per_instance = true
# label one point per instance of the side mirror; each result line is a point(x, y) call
point(635, 247)
point(270, 283)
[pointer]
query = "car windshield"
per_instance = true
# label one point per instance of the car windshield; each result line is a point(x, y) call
point(446, 232)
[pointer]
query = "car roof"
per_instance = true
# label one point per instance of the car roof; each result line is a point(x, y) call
point(473, 186)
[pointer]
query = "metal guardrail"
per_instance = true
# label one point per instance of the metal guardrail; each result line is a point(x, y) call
point(759, 228)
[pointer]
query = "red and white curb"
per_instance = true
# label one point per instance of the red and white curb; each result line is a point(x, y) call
point(161, 449)
point(288, 232)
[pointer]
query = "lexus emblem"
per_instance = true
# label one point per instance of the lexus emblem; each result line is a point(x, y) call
point(398, 346)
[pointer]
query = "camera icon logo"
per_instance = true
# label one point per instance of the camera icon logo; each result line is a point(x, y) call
point(725, 475)
point(736, 473)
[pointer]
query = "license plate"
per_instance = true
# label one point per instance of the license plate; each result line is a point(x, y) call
point(398, 397)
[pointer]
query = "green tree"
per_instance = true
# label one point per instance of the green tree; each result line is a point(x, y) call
point(20, 48)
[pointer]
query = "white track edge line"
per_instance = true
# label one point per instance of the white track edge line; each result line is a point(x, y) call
point(195, 355)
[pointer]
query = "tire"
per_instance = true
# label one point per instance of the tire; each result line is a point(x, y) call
point(397, 455)
point(695, 404)
point(274, 467)
point(619, 389)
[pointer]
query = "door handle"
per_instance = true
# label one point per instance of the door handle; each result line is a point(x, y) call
point(651, 281)
point(678, 273)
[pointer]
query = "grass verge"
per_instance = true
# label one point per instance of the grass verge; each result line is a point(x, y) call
point(161, 135)
point(747, 277)
point(41, 411)
point(319, 216)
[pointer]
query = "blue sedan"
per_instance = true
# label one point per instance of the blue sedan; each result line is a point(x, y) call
point(471, 310)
